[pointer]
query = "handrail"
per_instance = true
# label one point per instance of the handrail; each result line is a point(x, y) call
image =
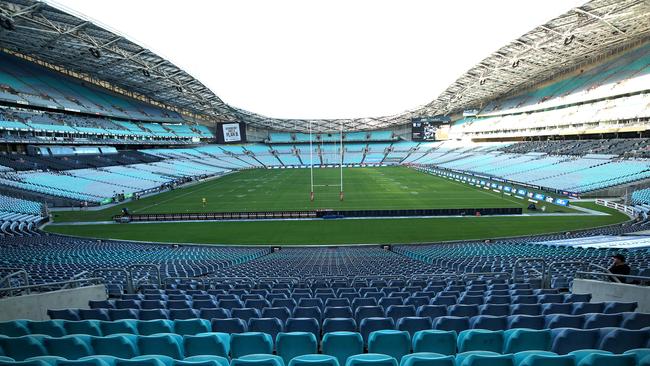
point(527, 260)
point(546, 279)
point(477, 274)
point(20, 272)
point(50, 284)
point(127, 276)
point(293, 279)
point(610, 274)
point(77, 276)
point(133, 266)
point(434, 275)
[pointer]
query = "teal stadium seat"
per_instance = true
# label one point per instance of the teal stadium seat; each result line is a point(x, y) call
point(71, 347)
point(600, 359)
point(126, 326)
point(517, 340)
point(393, 343)
point(258, 360)
point(14, 328)
point(204, 360)
point(543, 358)
point(480, 340)
point(342, 345)
point(580, 354)
point(161, 344)
point(483, 358)
point(314, 360)
point(427, 359)
point(191, 326)
point(88, 327)
point(435, 341)
point(52, 328)
point(149, 327)
point(216, 344)
point(371, 359)
point(23, 347)
point(250, 343)
point(117, 345)
point(293, 344)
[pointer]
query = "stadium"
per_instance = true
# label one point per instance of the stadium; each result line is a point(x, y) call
point(146, 221)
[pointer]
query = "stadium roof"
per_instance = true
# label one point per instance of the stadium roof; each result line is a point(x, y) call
point(60, 37)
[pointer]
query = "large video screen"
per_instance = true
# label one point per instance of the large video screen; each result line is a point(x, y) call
point(425, 128)
point(231, 133)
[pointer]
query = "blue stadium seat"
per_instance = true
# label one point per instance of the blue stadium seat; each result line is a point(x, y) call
point(339, 325)
point(309, 325)
point(526, 321)
point(230, 325)
point(622, 340)
point(400, 311)
point(432, 311)
point(372, 324)
point(457, 324)
point(270, 326)
point(245, 314)
point(566, 340)
point(489, 322)
point(414, 324)
point(337, 312)
point(495, 309)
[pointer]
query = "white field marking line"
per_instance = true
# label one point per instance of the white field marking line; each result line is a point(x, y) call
point(207, 188)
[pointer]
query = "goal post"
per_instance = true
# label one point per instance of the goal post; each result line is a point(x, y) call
point(311, 163)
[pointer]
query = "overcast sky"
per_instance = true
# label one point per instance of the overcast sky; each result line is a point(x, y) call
point(323, 58)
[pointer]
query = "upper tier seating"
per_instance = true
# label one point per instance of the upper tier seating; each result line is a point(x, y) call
point(287, 137)
point(624, 74)
point(28, 83)
point(27, 122)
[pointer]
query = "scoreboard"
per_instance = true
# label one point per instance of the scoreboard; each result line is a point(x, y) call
point(425, 128)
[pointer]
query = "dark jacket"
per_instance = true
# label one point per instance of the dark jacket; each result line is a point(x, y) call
point(621, 269)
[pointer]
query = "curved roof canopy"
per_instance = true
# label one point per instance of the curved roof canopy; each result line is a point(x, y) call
point(59, 37)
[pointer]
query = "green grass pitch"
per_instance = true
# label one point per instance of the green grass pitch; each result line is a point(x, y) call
point(288, 189)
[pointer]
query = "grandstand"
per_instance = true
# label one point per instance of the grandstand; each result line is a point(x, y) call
point(487, 243)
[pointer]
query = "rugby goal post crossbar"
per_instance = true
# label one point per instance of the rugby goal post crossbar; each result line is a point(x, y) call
point(311, 165)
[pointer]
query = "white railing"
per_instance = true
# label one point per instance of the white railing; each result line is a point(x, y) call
point(628, 210)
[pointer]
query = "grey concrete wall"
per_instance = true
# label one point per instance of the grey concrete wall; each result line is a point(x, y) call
point(609, 291)
point(35, 306)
